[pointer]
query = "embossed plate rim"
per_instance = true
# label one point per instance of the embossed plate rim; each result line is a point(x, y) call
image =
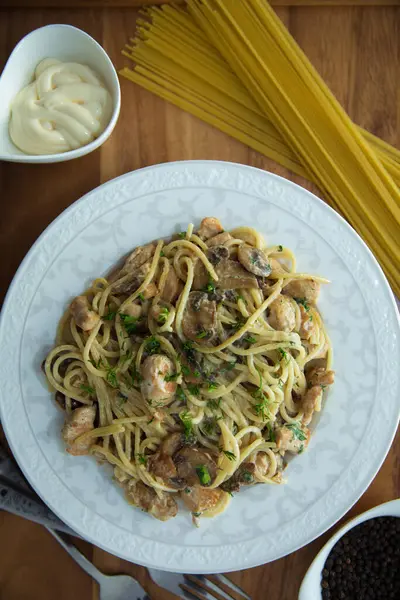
point(191, 558)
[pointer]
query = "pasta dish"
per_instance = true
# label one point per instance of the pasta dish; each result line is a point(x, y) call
point(194, 368)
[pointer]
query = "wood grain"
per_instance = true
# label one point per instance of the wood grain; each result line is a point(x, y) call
point(135, 3)
point(361, 65)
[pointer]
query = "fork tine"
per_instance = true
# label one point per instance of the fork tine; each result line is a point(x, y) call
point(222, 579)
point(193, 594)
point(207, 587)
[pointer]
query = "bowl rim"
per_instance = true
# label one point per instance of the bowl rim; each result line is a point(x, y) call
point(93, 145)
point(387, 509)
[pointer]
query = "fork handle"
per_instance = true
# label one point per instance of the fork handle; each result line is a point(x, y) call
point(82, 561)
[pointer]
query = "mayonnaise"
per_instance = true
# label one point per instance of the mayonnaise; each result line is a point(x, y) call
point(66, 107)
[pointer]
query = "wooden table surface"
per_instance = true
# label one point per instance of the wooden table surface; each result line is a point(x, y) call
point(357, 51)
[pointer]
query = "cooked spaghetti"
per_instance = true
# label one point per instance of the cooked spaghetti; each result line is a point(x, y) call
point(194, 369)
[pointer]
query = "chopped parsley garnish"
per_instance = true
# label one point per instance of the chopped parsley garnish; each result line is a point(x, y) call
point(187, 490)
point(197, 374)
point(214, 404)
point(110, 315)
point(141, 297)
point(112, 378)
point(129, 323)
point(229, 367)
point(284, 354)
point(125, 357)
point(280, 248)
point(212, 386)
point(185, 370)
point(301, 448)
point(121, 399)
point(210, 287)
point(87, 388)
point(142, 459)
point(193, 389)
point(172, 377)
point(151, 420)
point(163, 316)
point(203, 474)
point(202, 334)
point(263, 401)
point(182, 235)
point(196, 514)
point(247, 476)
point(270, 432)
point(162, 253)
point(135, 376)
point(323, 386)
point(303, 302)
point(152, 345)
point(97, 364)
point(250, 339)
point(187, 424)
point(297, 431)
point(180, 394)
point(238, 324)
point(229, 455)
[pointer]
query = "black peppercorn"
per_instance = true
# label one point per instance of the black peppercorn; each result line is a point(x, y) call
point(365, 563)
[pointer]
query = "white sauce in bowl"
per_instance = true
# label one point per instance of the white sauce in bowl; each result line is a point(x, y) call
point(65, 107)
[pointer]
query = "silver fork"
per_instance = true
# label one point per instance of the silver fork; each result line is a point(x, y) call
point(198, 586)
point(112, 587)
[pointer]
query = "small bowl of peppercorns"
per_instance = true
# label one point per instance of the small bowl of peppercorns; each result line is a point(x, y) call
point(361, 561)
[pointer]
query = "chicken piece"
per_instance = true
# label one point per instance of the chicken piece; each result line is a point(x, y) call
point(254, 260)
point(199, 321)
point(137, 258)
point(217, 253)
point(311, 402)
point(133, 310)
point(84, 317)
point(219, 240)
point(209, 227)
point(195, 466)
point(150, 291)
point(80, 421)
point(134, 280)
point(292, 438)
point(162, 506)
point(172, 443)
point(172, 286)
point(304, 289)
point(231, 275)
point(307, 324)
point(244, 475)
point(261, 464)
point(277, 268)
point(320, 376)
point(161, 463)
point(282, 314)
point(201, 276)
point(198, 499)
point(155, 387)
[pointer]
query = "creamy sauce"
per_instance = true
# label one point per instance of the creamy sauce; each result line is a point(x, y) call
point(65, 107)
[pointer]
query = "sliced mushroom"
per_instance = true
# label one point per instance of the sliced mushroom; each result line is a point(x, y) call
point(292, 439)
point(155, 386)
point(320, 376)
point(282, 314)
point(161, 505)
point(140, 256)
point(193, 463)
point(217, 253)
point(134, 279)
point(231, 275)
point(311, 401)
point(209, 227)
point(244, 475)
point(172, 287)
point(254, 260)
point(219, 240)
point(199, 499)
point(199, 321)
point(172, 443)
point(80, 421)
point(83, 316)
point(304, 289)
point(307, 324)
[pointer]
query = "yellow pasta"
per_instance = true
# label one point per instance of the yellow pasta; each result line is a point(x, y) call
point(235, 65)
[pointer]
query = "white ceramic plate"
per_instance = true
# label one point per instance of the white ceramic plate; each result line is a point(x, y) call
point(356, 425)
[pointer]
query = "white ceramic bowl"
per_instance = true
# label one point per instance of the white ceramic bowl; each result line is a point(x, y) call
point(62, 42)
point(311, 586)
